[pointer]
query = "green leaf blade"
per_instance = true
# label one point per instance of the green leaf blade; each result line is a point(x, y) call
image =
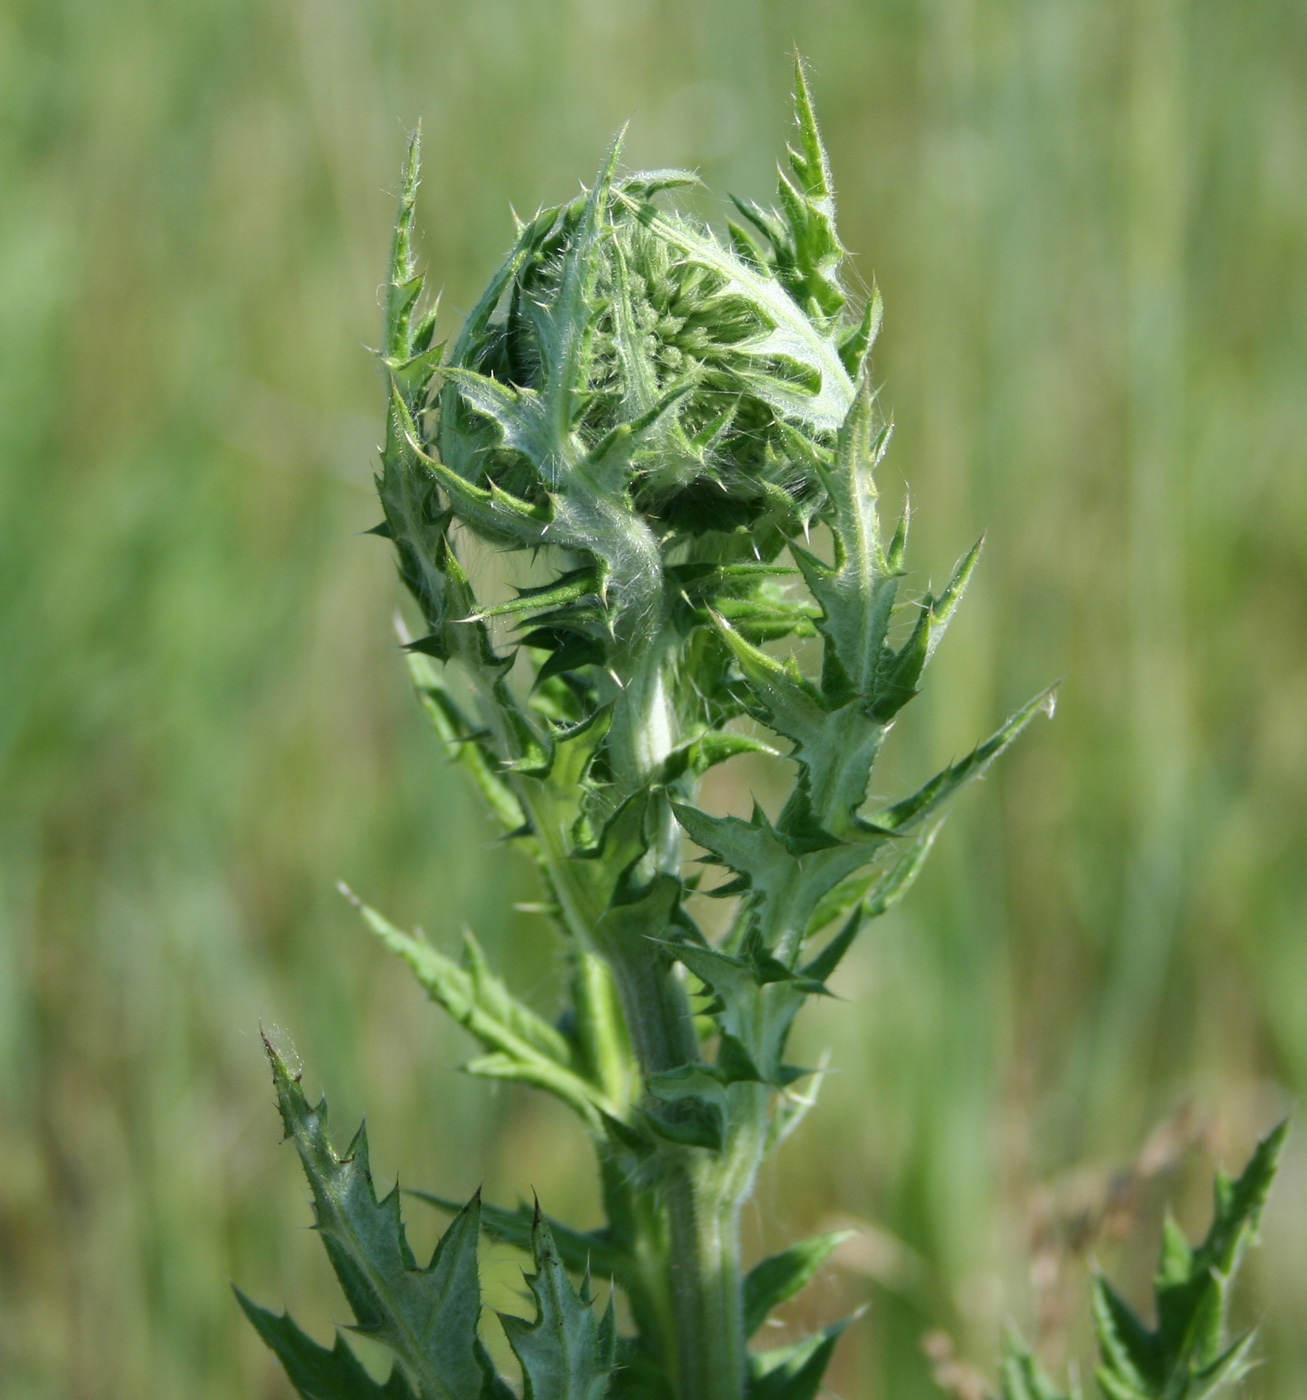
point(426, 1316)
point(316, 1372)
point(794, 1372)
point(567, 1352)
point(521, 1044)
point(779, 1277)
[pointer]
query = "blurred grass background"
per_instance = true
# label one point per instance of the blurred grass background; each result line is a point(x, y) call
point(1089, 219)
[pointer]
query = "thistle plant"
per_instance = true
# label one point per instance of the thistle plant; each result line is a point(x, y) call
point(676, 435)
point(1188, 1354)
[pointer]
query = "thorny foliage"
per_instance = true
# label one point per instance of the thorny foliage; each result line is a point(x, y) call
point(669, 423)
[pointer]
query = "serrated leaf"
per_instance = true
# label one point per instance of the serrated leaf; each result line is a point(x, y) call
point(732, 979)
point(1131, 1352)
point(523, 1045)
point(790, 703)
point(1187, 1356)
point(567, 588)
point(753, 849)
point(699, 755)
point(905, 815)
point(426, 1316)
point(1237, 1211)
point(696, 1124)
point(1227, 1370)
point(875, 894)
point(407, 350)
point(897, 676)
point(580, 1250)
point(857, 591)
point(492, 510)
point(755, 1000)
point(314, 1371)
point(734, 1064)
point(809, 205)
point(687, 1105)
point(779, 1277)
point(464, 744)
point(567, 1352)
point(856, 343)
point(519, 414)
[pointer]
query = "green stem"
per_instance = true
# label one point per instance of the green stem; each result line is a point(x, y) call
point(704, 1194)
point(704, 1274)
point(691, 1257)
point(701, 1191)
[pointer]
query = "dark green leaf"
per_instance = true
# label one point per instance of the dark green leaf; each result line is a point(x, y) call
point(581, 1251)
point(427, 1316)
point(567, 1352)
point(319, 1374)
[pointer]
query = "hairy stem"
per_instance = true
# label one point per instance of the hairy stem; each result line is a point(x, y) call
point(705, 1282)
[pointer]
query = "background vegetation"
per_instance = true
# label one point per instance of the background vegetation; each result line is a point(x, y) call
point(1089, 219)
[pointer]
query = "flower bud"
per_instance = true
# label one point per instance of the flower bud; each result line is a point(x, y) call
point(625, 350)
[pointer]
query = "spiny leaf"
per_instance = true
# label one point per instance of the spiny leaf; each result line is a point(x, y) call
point(426, 1316)
point(930, 798)
point(755, 1000)
point(580, 1250)
point(1187, 1355)
point(876, 893)
point(814, 249)
point(567, 1352)
point(530, 236)
point(1131, 1352)
point(319, 1374)
point(789, 703)
point(731, 979)
point(779, 1277)
point(608, 461)
point(857, 591)
point(687, 1105)
point(408, 353)
point(563, 326)
point(520, 415)
point(699, 755)
point(1237, 1212)
point(856, 343)
point(898, 674)
point(464, 744)
point(567, 588)
point(492, 510)
point(753, 849)
point(523, 1045)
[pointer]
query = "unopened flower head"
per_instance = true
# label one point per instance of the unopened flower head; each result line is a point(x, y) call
point(700, 381)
